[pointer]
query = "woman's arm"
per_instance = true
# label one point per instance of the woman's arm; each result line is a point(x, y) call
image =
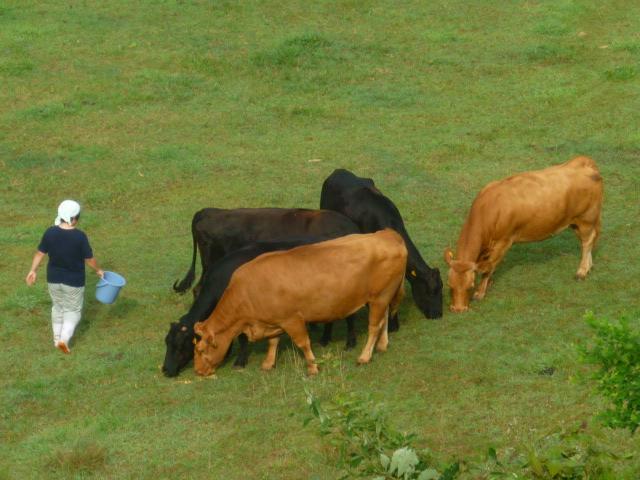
point(93, 263)
point(37, 258)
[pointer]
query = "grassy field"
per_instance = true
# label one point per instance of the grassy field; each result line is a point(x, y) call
point(147, 111)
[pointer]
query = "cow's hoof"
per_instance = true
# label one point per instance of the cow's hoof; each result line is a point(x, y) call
point(349, 348)
point(238, 367)
point(580, 277)
point(324, 343)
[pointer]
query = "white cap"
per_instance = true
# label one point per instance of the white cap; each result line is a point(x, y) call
point(67, 211)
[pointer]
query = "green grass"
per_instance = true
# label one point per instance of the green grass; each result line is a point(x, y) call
point(145, 112)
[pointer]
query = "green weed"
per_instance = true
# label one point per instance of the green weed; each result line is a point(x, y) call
point(615, 350)
point(568, 452)
point(357, 425)
point(621, 73)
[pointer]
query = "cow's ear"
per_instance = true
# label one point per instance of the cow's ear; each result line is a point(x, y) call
point(203, 332)
point(448, 255)
point(197, 328)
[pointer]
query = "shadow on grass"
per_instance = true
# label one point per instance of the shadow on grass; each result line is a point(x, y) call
point(95, 311)
point(522, 256)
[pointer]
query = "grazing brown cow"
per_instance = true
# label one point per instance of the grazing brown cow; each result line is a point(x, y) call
point(280, 291)
point(527, 207)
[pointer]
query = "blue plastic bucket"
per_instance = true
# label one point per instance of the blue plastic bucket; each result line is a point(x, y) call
point(109, 286)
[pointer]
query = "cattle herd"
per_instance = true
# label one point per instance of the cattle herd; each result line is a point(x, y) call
point(266, 271)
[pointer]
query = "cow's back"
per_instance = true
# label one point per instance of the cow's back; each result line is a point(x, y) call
point(325, 281)
point(535, 205)
point(318, 222)
point(223, 231)
point(258, 224)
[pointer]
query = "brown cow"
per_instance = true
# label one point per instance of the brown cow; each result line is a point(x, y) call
point(280, 291)
point(527, 207)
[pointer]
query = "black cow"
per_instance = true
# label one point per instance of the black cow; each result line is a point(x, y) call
point(180, 339)
point(217, 232)
point(358, 199)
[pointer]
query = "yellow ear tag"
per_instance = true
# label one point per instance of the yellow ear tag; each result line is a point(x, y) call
point(413, 272)
point(195, 340)
point(451, 254)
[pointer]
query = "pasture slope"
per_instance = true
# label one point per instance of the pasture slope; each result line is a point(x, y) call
point(147, 111)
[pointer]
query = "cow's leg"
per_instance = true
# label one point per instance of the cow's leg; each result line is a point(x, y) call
point(483, 286)
point(487, 267)
point(587, 235)
point(243, 353)
point(351, 332)
point(296, 329)
point(383, 336)
point(393, 323)
point(326, 334)
point(270, 361)
point(377, 321)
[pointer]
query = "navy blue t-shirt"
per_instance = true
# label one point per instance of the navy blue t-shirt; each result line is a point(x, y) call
point(67, 250)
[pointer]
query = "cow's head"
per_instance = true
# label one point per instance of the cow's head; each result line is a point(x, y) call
point(462, 276)
point(426, 289)
point(207, 355)
point(180, 342)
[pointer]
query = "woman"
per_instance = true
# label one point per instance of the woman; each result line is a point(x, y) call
point(68, 249)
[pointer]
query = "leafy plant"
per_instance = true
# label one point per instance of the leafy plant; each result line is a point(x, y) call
point(571, 452)
point(616, 349)
point(367, 444)
point(369, 447)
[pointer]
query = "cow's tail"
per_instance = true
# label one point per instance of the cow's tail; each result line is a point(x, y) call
point(187, 281)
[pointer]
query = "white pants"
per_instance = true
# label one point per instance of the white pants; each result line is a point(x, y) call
point(66, 311)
